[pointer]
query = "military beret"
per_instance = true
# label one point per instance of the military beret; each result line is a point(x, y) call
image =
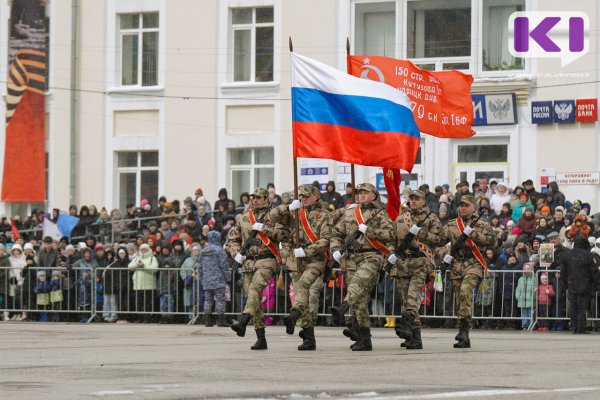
point(417, 193)
point(260, 192)
point(468, 199)
point(309, 190)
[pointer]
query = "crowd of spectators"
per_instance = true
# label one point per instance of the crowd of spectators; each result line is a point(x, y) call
point(118, 263)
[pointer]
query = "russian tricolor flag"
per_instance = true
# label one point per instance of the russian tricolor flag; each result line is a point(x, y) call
point(340, 117)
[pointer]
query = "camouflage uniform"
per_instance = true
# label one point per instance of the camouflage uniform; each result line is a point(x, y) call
point(466, 270)
point(307, 285)
point(363, 261)
point(260, 263)
point(414, 266)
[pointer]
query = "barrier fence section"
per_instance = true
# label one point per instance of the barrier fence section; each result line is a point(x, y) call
point(504, 299)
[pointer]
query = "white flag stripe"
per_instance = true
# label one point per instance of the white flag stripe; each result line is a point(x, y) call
point(310, 74)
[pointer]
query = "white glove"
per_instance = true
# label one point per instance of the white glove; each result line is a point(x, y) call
point(239, 258)
point(299, 252)
point(448, 259)
point(258, 226)
point(468, 230)
point(414, 230)
point(351, 206)
point(337, 256)
point(295, 205)
point(362, 228)
point(392, 259)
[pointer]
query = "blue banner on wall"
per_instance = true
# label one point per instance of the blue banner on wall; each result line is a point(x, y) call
point(542, 112)
point(494, 109)
point(564, 111)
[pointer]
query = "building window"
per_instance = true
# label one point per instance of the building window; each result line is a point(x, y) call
point(482, 153)
point(375, 29)
point(438, 28)
point(139, 49)
point(252, 43)
point(137, 173)
point(495, 15)
point(250, 168)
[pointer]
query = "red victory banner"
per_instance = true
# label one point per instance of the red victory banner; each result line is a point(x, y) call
point(441, 100)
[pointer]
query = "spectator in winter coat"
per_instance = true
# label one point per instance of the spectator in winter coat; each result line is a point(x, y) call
point(524, 293)
point(223, 200)
point(145, 267)
point(331, 199)
point(580, 227)
point(188, 276)
point(167, 289)
point(47, 257)
point(520, 207)
point(558, 198)
point(580, 273)
point(214, 274)
point(116, 279)
point(499, 198)
point(545, 294)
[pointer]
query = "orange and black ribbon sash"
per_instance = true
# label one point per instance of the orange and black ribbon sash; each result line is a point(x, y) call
point(266, 241)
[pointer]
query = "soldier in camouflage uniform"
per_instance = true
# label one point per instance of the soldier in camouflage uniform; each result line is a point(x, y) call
point(415, 264)
point(363, 260)
point(466, 267)
point(259, 264)
point(306, 260)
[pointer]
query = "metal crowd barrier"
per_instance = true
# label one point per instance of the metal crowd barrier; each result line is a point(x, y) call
point(176, 295)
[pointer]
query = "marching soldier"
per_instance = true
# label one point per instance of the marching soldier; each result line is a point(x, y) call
point(312, 251)
point(468, 266)
point(424, 230)
point(260, 262)
point(364, 259)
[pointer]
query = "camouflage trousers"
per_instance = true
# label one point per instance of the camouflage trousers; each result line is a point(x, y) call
point(463, 295)
point(254, 283)
point(361, 284)
point(307, 288)
point(410, 288)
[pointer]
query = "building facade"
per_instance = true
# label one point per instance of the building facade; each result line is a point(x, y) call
point(175, 95)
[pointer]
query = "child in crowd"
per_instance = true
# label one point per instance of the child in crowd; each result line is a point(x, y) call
point(56, 294)
point(524, 294)
point(99, 294)
point(545, 294)
point(84, 294)
point(42, 298)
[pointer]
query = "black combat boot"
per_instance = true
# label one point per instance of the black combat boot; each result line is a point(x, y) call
point(208, 320)
point(352, 330)
point(261, 342)
point(404, 327)
point(290, 320)
point(416, 342)
point(404, 344)
point(364, 341)
point(338, 313)
point(463, 336)
point(240, 327)
point(222, 321)
point(308, 336)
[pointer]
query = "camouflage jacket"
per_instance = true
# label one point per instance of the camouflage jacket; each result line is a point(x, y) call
point(319, 222)
point(421, 252)
point(465, 262)
point(380, 229)
point(274, 231)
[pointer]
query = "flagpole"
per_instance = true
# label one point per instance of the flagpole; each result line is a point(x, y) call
point(296, 212)
point(352, 176)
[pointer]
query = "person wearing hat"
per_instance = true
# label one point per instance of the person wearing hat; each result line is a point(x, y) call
point(468, 265)
point(47, 257)
point(145, 267)
point(259, 263)
point(531, 192)
point(415, 264)
point(519, 208)
point(305, 259)
point(363, 261)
